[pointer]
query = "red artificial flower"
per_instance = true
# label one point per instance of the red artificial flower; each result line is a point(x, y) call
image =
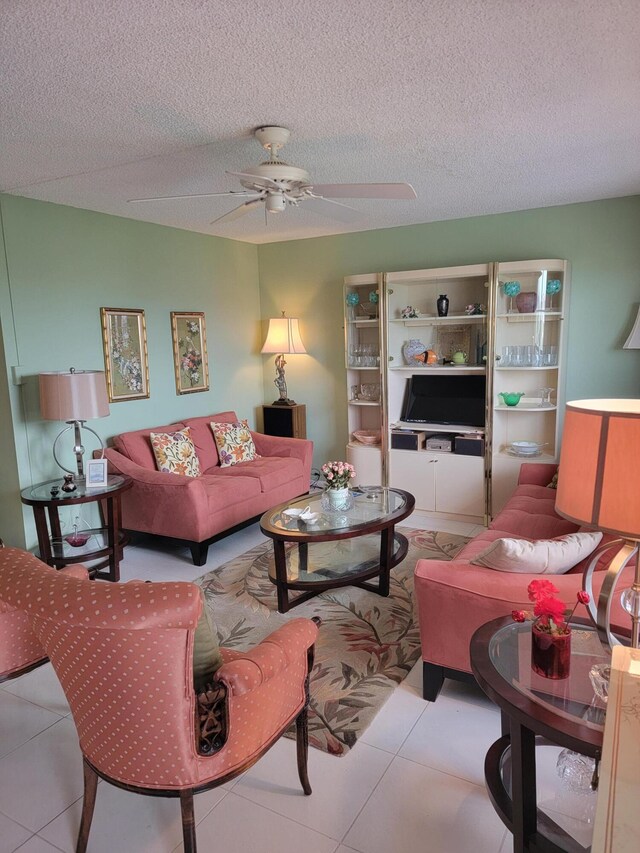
point(550, 608)
point(583, 597)
point(539, 589)
point(518, 615)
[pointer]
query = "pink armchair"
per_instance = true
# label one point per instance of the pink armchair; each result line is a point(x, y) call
point(20, 651)
point(123, 654)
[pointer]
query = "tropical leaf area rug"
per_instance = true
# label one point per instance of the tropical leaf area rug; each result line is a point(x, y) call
point(367, 644)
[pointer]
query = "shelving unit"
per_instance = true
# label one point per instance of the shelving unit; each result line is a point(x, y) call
point(444, 483)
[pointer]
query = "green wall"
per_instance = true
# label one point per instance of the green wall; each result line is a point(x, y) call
point(600, 239)
point(62, 265)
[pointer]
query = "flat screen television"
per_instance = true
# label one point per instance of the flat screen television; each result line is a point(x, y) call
point(445, 400)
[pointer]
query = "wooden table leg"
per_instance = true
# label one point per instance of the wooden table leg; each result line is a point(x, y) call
point(44, 543)
point(523, 785)
point(281, 575)
point(113, 529)
point(386, 557)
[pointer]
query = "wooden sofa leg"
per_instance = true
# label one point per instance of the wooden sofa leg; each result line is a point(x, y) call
point(88, 804)
point(199, 553)
point(432, 680)
point(188, 821)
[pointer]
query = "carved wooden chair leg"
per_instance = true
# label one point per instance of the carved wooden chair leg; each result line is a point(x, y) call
point(188, 821)
point(302, 749)
point(302, 724)
point(88, 804)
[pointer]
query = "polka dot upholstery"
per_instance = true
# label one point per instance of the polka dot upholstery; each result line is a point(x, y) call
point(123, 654)
point(19, 646)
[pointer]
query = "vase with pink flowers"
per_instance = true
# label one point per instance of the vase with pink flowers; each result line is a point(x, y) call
point(550, 631)
point(338, 476)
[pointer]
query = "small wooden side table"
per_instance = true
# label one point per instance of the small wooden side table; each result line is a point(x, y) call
point(286, 421)
point(106, 541)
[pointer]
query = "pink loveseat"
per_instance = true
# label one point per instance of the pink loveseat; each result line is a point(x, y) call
point(199, 510)
point(455, 598)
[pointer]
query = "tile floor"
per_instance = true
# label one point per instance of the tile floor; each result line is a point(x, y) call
point(412, 783)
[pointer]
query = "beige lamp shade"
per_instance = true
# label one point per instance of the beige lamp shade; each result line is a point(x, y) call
point(599, 473)
point(76, 395)
point(283, 336)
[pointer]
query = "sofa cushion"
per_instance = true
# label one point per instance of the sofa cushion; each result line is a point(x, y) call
point(234, 442)
point(269, 472)
point(530, 513)
point(206, 649)
point(136, 445)
point(175, 453)
point(540, 556)
point(223, 492)
point(203, 437)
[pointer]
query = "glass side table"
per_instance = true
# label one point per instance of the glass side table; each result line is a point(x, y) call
point(538, 712)
point(103, 543)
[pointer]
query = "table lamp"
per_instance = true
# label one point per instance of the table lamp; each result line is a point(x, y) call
point(283, 337)
point(599, 486)
point(75, 397)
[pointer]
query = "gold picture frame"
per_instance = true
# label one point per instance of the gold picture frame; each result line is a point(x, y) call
point(190, 358)
point(126, 361)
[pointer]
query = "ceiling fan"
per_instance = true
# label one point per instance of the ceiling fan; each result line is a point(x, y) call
point(277, 185)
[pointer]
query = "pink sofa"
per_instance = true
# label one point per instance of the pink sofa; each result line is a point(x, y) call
point(455, 598)
point(199, 510)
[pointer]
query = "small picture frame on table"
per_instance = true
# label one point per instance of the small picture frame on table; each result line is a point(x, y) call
point(96, 475)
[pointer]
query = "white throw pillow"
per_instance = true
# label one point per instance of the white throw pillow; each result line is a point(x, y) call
point(540, 557)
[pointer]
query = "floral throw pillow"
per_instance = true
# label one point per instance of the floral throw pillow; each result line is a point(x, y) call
point(175, 452)
point(234, 443)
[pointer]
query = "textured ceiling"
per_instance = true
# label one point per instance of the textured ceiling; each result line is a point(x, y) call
point(484, 106)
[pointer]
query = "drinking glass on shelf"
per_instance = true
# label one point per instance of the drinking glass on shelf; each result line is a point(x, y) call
point(505, 361)
point(549, 356)
point(529, 356)
point(354, 392)
point(545, 397)
point(517, 356)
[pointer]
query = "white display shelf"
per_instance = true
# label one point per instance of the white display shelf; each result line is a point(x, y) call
point(442, 368)
point(364, 402)
point(549, 367)
point(371, 447)
point(542, 457)
point(353, 367)
point(525, 407)
point(363, 322)
point(451, 319)
point(530, 317)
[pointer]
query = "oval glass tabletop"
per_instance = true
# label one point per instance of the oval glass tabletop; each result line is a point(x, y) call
point(367, 505)
point(572, 698)
point(42, 491)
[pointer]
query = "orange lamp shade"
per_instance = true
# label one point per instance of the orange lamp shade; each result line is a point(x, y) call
point(599, 473)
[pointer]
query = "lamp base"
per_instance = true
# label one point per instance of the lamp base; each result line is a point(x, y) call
point(285, 402)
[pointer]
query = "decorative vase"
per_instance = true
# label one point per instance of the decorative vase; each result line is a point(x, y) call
point(338, 499)
point(526, 302)
point(442, 305)
point(411, 349)
point(550, 653)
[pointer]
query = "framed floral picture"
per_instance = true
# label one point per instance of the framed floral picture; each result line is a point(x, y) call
point(124, 338)
point(190, 351)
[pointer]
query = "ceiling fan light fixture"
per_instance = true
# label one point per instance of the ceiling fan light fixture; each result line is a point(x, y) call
point(275, 203)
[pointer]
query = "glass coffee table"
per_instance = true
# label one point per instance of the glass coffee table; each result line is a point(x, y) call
point(344, 548)
point(536, 712)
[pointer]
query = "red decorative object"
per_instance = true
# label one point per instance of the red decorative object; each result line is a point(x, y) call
point(77, 540)
point(526, 302)
point(550, 653)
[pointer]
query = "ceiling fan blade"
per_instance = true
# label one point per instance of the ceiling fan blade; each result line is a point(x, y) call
point(257, 179)
point(237, 212)
point(333, 209)
point(191, 195)
point(391, 191)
